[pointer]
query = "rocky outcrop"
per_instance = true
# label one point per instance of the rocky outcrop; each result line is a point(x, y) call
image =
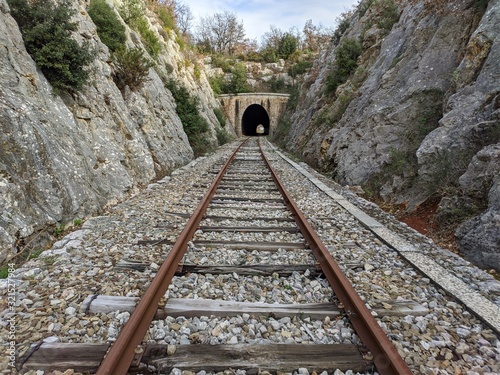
point(418, 115)
point(65, 157)
point(479, 237)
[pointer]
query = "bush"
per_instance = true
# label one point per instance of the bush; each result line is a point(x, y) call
point(287, 46)
point(166, 14)
point(223, 136)
point(301, 67)
point(109, 28)
point(363, 7)
point(390, 12)
point(343, 25)
point(132, 11)
point(284, 122)
point(220, 61)
point(46, 30)
point(132, 68)
point(238, 83)
point(193, 123)
point(197, 72)
point(151, 41)
point(217, 83)
point(220, 116)
point(278, 85)
point(346, 56)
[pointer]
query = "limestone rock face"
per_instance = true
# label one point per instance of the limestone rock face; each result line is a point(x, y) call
point(479, 237)
point(419, 112)
point(65, 157)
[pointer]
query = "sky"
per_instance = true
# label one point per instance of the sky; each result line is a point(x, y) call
point(259, 15)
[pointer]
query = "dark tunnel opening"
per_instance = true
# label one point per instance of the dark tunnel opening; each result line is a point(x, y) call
point(254, 116)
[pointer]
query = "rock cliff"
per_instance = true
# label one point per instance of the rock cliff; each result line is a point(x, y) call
point(66, 156)
point(419, 117)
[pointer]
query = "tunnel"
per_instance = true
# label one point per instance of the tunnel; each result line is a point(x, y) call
point(254, 116)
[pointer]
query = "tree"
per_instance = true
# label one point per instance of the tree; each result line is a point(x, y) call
point(278, 44)
point(316, 37)
point(184, 17)
point(287, 46)
point(220, 33)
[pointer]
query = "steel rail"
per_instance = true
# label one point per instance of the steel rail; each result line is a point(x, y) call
point(385, 356)
point(119, 357)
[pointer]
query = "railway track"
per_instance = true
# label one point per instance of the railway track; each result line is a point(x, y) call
point(246, 286)
point(247, 213)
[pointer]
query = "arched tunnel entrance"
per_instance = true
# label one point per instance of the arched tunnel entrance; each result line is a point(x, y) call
point(253, 116)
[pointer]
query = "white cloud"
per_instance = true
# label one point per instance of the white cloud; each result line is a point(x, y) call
point(259, 15)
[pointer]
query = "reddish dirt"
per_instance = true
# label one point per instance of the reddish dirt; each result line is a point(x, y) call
point(423, 221)
point(422, 218)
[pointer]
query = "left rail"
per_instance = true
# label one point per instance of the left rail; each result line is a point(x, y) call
point(119, 357)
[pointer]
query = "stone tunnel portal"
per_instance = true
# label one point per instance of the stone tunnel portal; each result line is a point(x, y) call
point(254, 116)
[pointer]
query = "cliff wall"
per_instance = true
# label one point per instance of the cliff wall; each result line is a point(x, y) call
point(419, 117)
point(63, 157)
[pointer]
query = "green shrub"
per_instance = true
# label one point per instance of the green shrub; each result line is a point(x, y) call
point(346, 56)
point(299, 68)
point(217, 83)
point(278, 85)
point(132, 11)
point(59, 230)
point(284, 121)
point(109, 28)
point(197, 72)
point(181, 42)
point(151, 41)
point(223, 136)
point(343, 25)
point(46, 30)
point(131, 68)
point(35, 254)
point(166, 15)
point(220, 116)
point(390, 12)
point(268, 55)
point(238, 83)
point(287, 46)
point(226, 64)
point(169, 68)
point(200, 144)
point(281, 132)
point(195, 125)
point(364, 6)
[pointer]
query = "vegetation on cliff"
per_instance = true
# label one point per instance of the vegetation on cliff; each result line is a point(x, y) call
point(110, 29)
point(188, 111)
point(46, 29)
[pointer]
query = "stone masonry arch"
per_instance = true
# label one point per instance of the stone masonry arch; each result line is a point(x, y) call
point(246, 111)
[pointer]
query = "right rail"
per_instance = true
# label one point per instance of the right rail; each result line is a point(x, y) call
point(386, 358)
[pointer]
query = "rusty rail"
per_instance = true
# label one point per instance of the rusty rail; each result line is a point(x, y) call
point(386, 358)
point(120, 356)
